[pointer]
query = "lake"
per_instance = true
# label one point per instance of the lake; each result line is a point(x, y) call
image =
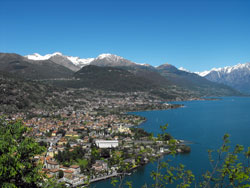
point(202, 122)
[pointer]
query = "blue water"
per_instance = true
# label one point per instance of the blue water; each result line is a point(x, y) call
point(202, 122)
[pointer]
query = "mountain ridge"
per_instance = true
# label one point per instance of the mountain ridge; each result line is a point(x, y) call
point(32, 69)
point(226, 69)
point(164, 76)
point(237, 76)
point(81, 62)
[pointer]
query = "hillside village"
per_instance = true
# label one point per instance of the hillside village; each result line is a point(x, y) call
point(96, 140)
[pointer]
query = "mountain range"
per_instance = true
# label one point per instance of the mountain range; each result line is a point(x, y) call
point(73, 63)
point(237, 76)
point(112, 72)
point(76, 63)
point(32, 69)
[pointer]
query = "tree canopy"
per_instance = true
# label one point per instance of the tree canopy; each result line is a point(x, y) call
point(17, 151)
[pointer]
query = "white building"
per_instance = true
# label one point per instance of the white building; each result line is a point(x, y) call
point(122, 129)
point(107, 143)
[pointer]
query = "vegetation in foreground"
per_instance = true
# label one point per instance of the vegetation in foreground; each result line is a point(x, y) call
point(17, 151)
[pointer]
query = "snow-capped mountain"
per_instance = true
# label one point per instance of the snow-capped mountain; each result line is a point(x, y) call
point(112, 60)
point(105, 59)
point(110, 57)
point(164, 78)
point(74, 60)
point(226, 70)
point(77, 60)
point(237, 76)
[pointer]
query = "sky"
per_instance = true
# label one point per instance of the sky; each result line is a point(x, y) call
point(195, 34)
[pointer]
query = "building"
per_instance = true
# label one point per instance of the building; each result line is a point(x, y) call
point(52, 165)
point(75, 168)
point(54, 172)
point(122, 129)
point(100, 166)
point(62, 141)
point(107, 143)
point(71, 134)
point(53, 133)
point(68, 173)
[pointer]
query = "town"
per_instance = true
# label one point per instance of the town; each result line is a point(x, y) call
point(98, 139)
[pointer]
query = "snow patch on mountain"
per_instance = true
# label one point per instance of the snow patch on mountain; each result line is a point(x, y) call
point(37, 56)
point(202, 74)
point(144, 64)
point(183, 69)
point(80, 62)
point(111, 57)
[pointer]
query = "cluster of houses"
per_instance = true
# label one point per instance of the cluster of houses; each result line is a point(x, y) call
point(86, 121)
point(70, 175)
point(77, 130)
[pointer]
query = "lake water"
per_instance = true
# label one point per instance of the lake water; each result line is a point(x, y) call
point(202, 122)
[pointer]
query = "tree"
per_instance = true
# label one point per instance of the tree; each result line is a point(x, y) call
point(61, 174)
point(230, 168)
point(17, 151)
point(164, 136)
point(95, 154)
point(83, 163)
point(42, 143)
point(105, 153)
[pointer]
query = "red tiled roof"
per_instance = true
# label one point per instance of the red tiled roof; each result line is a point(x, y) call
point(68, 171)
point(52, 162)
point(74, 166)
point(54, 170)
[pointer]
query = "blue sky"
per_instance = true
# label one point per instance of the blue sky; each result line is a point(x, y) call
point(195, 34)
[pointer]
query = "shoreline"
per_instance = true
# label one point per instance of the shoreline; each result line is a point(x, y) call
point(173, 105)
point(179, 141)
point(197, 143)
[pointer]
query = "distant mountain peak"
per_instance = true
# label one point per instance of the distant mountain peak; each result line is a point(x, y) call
point(105, 55)
point(112, 60)
point(37, 56)
point(237, 76)
point(226, 70)
point(166, 66)
point(109, 56)
point(75, 60)
point(57, 53)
